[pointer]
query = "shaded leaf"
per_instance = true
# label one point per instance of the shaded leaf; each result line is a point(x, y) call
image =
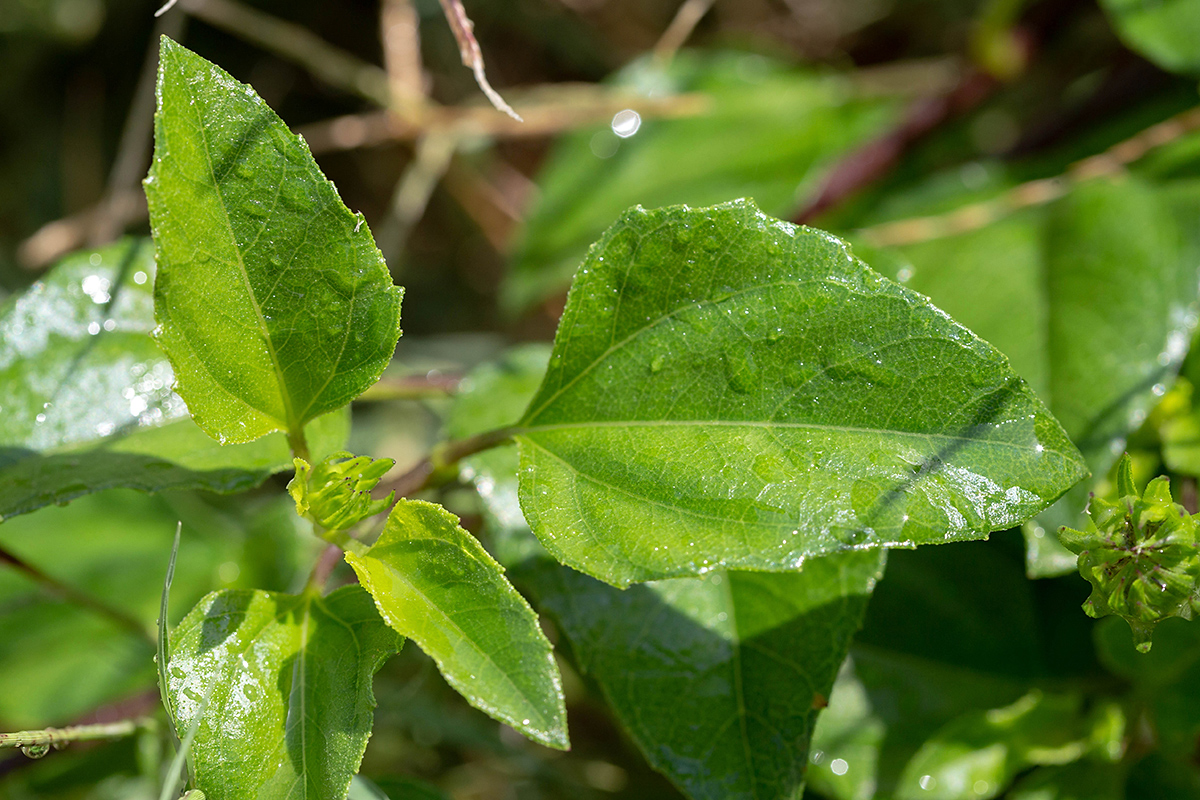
point(755, 395)
point(85, 394)
point(435, 584)
point(273, 303)
point(1165, 31)
point(767, 132)
point(292, 708)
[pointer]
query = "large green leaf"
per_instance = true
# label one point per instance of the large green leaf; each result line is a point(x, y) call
point(273, 302)
point(288, 681)
point(435, 584)
point(86, 400)
point(742, 659)
point(1165, 31)
point(767, 131)
point(755, 395)
point(1092, 299)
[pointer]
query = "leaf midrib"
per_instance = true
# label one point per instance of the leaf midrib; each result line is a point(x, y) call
point(284, 395)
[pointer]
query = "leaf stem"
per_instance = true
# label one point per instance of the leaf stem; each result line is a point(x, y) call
point(58, 737)
point(80, 598)
point(431, 470)
point(299, 444)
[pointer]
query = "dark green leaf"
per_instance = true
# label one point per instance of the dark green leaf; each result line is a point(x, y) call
point(745, 659)
point(292, 705)
point(85, 394)
point(1083, 780)
point(766, 132)
point(273, 303)
point(435, 584)
point(1093, 301)
point(1165, 31)
point(755, 396)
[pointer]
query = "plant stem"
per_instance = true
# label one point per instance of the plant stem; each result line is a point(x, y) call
point(57, 737)
point(73, 595)
point(321, 571)
point(299, 444)
point(412, 387)
point(426, 473)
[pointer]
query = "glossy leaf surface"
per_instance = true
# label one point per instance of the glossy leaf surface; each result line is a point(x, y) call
point(743, 659)
point(274, 304)
point(292, 706)
point(1093, 299)
point(1165, 31)
point(86, 400)
point(766, 132)
point(435, 584)
point(755, 395)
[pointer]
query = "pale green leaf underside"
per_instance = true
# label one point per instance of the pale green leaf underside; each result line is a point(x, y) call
point(728, 390)
point(86, 400)
point(274, 304)
point(435, 584)
point(292, 706)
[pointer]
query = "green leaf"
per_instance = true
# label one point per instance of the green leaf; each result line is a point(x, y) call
point(1083, 780)
point(755, 396)
point(1092, 299)
point(744, 658)
point(766, 131)
point(718, 679)
point(336, 494)
point(979, 754)
point(292, 708)
point(1165, 31)
point(435, 584)
point(85, 394)
point(273, 303)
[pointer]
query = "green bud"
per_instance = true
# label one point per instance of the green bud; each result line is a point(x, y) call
point(336, 493)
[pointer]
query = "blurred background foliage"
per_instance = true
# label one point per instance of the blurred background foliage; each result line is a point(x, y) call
point(969, 148)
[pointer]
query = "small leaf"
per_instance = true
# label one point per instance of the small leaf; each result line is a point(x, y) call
point(292, 708)
point(273, 303)
point(337, 493)
point(1141, 555)
point(85, 394)
point(435, 584)
point(756, 396)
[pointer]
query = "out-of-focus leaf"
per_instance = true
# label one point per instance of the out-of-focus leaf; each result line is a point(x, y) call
point(290, 676)
point(755, 396)
point(1156, 777)
point(1083, 780)
point(1093, 300)
point(86, 400)
point(769, 133)
point(1165, 679)
point(1165, 31)
point(746, 659)
point(114, 546)
point(435, 584)
point(978, 755)
point(273, 303)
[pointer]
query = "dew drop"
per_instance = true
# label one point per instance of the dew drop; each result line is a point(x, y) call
point(657, 364)
point(35, 750)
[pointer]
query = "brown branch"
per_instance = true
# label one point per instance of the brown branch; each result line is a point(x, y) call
point(680, 29)
point(871, 162)
point(399, 28)
point(472, 56)
point(413, 387)
point(295, 43)
point(971, 217)
point(431, 470)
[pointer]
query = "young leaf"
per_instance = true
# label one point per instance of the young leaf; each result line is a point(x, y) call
point(292, 709)
point(85, 394)
point(754, 395)
point(1141, 555)
point(336, 494)
point(273, 303)
point(435, 584)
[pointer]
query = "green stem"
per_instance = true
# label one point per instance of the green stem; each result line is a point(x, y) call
point(73, 595)
point(35, 743)
point(299, 444)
